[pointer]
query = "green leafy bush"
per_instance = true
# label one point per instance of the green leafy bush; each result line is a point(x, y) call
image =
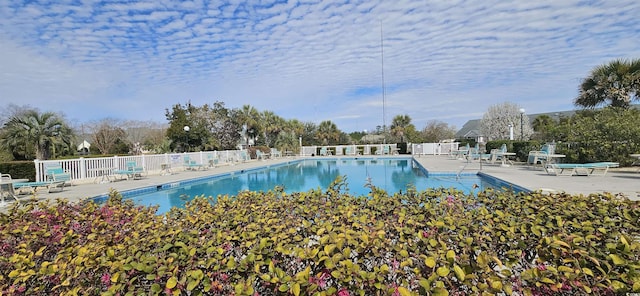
point(435, 242)
point(608, 134)
point(19, 169)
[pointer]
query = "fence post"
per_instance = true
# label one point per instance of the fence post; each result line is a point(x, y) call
point(144, 160)
point(116, 162)
point(83, 168)
point(38, 175)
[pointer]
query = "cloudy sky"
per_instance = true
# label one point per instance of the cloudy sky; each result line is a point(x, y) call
point(310, 60)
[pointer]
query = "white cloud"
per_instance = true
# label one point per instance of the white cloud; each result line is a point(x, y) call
point(310, 60)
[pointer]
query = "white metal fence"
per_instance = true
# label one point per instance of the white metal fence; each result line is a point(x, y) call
point(93, 168)
point(377, 149)
point(369, 149)
point(433, 148)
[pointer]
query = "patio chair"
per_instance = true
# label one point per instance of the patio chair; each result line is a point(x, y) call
point(261, 155)
point(579, 169)
point(244, 156)
point(497, 154)
point(190, 164)
point(385, 150)
point(460, 153)
point(350, 151)
point(132, 171)
point(474, 154)
point(540, 157)
point(213, 160)
point(324, 151)
point(275, 153)
point(54, 173)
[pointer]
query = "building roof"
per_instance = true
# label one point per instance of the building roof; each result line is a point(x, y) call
point(471, 129)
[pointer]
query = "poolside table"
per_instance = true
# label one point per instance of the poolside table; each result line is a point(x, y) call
point(102, 174)
point(505, 158)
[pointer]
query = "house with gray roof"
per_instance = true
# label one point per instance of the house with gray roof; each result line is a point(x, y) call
point(471, 129)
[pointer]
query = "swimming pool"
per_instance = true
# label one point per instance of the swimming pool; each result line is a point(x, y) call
point(390, 174)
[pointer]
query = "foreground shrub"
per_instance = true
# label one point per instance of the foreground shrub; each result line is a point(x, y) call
point(436, 242)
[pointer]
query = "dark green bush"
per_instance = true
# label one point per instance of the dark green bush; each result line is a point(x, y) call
point(19, 169)
point(327, 243)
point(520, 148)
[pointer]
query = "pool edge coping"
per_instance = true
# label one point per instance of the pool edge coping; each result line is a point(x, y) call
point(167, 185)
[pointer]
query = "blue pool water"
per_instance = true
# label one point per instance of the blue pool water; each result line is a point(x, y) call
point(391, 174)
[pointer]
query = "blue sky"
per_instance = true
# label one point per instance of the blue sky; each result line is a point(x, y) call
point(308, 60)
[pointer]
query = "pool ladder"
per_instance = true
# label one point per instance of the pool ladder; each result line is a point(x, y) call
point(458, 175)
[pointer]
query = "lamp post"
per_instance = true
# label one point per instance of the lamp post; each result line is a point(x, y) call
point(186, 129)
point(521, 124)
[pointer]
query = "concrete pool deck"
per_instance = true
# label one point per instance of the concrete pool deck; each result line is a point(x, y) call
point(624, 181)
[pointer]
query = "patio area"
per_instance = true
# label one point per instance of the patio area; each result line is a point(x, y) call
point(624, 181)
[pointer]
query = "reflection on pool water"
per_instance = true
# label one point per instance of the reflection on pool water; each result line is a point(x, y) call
point(390, 174)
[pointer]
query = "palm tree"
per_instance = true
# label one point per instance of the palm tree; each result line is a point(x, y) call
point(399, 125)
point(294, 126)
point(328, 133)
point(272, 126)
point(287, 141)
point(617, 82)
point(249, 117)
point(36, 134)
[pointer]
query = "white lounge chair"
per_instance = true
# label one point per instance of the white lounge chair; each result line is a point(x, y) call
point(460, 153)
point(540, 157)
point(131, 171)
point(261, 155)
point(325, 152)
point(275, 153)
point(579, 169)
point(350, 151)
point(54, 173)
point(190, 164)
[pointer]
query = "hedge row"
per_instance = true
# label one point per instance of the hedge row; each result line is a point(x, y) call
point(435, 242)
point(19, 169)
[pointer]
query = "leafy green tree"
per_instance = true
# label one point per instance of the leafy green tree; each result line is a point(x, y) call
point(616, 83)
point(197, 119)
point(178, 118)
point(30, 134)
point(609, 134)
point(412, 135)
point(542, 126)
point(356, 136)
